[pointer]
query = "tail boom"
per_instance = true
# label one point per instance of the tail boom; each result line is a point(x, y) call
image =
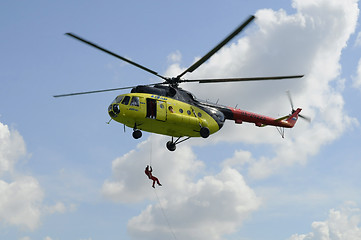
point(240, 116)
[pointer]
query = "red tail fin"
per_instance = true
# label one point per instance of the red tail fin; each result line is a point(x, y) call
point(293, 118)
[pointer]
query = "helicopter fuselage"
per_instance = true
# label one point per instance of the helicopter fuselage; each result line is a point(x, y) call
point(152, 109)
point(176, 112)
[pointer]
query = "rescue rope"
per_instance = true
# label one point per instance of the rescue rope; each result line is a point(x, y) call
point(151, 148)
point(165, 216)
point(158, 199)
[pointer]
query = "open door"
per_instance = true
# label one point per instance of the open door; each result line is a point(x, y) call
point(161, 110)
point(151, 108)
point(156, 109)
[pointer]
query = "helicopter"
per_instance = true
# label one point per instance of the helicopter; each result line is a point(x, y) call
point(165, 108)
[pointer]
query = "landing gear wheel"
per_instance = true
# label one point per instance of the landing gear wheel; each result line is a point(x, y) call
point(204, 132)
point(171, 146)
point(137, 134)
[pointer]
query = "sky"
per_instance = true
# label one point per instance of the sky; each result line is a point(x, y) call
point(67, 174)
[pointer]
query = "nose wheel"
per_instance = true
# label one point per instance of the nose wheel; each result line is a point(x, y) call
point(137, 134)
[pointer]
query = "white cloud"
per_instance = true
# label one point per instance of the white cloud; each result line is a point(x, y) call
point(59, 207)
point(208, 209)
point(21, 197)
point(358, 40)
point(25, 238)
point(330, 23)
point(175, 57)
point(342, 224)
point(12, 147)
point(130, 184)
point(357, 79)
point(20, 202)
point(308, 42)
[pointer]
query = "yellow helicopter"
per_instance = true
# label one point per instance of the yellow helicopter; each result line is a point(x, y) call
point(165, 108)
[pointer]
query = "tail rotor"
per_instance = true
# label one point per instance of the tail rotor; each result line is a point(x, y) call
point(308, 119)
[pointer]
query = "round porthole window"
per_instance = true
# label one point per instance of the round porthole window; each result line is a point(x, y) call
point(199, 114)
point(181, 110)
point(189, 112)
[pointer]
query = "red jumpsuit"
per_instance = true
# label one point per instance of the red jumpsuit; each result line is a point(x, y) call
point(150, 176)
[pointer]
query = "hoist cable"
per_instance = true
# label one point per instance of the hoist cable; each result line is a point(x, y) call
point(165, 216)
point(155, 191)
point(151, 148)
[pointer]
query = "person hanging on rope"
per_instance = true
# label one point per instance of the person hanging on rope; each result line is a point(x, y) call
point(148, 172)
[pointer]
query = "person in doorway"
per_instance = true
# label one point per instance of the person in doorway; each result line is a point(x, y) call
point(151, 108)
point(171, 109)
point(148, 171)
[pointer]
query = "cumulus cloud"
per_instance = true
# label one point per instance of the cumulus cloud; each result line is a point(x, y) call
point(308, 42)
point(21, 197)
point(175, 57)
point(342, 224)
point(28, 238)
point(127, 182)
point(12, 147)
point(58, 207)
point(210, 208)
point(20, 202)
point(327, 27)
point(357, 78)
point(197, 204)
point(358, 40)
point(25, 238)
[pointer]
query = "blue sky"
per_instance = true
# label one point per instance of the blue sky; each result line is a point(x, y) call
point(66, 174)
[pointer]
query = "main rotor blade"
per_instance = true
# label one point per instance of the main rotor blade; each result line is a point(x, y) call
point(214, 80)
point(115, 55)
point(99, 91)
point(89, 92)
point(219, 46)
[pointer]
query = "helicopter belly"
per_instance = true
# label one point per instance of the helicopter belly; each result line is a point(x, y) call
point(176, 125)
point(163, 116)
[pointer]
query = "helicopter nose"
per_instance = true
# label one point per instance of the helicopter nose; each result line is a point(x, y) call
point(113, 110)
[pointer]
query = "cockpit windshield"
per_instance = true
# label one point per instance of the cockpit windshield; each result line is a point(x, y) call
point(118, 99)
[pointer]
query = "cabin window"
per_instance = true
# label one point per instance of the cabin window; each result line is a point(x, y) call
point(135, 101)
point(189, 112)
point(199, 114)
point(181, 110)
point(126, 100)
